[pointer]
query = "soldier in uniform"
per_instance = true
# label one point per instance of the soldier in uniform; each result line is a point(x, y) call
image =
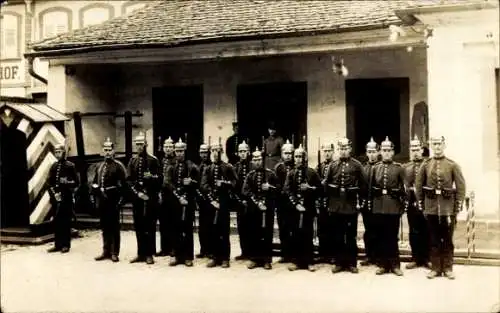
point(206, 212)
point(440, 203)
point(232, 145)
point(260, 188)
point(182, 181)
point(108, 188)
point(143, 179)
point(242, 169)
point(344, 183)
point(324, 222)
point(419, 233)
point(302, 185)
point(167, 227)
point(62, 181)
point(389, 194)
point(284, 208)
point(372, 154)
point(272, 148)
point(218, 183)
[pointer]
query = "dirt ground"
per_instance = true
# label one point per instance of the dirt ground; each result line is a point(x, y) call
point(35, 281)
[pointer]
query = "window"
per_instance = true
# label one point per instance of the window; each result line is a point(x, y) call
point(54, 21)
point(497, 81)
point(10, 36)
point(130, 6)
point(95, 13)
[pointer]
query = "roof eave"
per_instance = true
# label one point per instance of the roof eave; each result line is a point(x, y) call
point(408, 15)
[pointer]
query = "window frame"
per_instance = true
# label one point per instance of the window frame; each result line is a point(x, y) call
point(19, 36)
point(131, 3)
point(41, 15)
point(81, 12)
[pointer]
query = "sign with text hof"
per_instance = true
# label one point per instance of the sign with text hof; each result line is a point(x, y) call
point(12, 72)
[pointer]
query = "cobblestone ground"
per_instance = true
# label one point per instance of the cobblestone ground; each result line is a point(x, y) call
point(35, 281)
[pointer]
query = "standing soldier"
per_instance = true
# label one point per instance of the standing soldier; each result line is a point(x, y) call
point(242, 169)
point(344, 184)
point(419, 233)
point(108, 188)
point(167, 227)
point(302, 185)
point(284, 208)
point(143, 179)
point(182, 181)
point(62, 181)
point(324, 220)
point(232, 145)
point(206, 213)
point(366, 208)
point(440, 204)
point(272, 148)
point(218, 183)
point(260, 187)
point(389, 194)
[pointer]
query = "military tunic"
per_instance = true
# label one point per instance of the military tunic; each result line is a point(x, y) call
point(110, 180)
point(284, 209)
point(165, 212)
point(272, 151)
point(302, 222)
point(62, 210)
point(144, 211)
point(232, 149)
point(367, 214)
point(324, 221)
point(206, 215)
point(242, 169)
point(261, 222)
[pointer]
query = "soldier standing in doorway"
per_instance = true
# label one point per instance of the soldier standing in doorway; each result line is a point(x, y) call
point(143, 179)
point(260, 189)
point(302, 185)
point(206, 212)
point(167, 227)
point(62, 181)
point(372, 154)
point(242, 169)
point(284, 207)
point(388, 189)
point(345, 184)
point(218, 183)
point(440, 204)
point(182, 181)
point(232, 145)
point(272, 148)
point(419, 233)
point(108, 188)
point(324, 220)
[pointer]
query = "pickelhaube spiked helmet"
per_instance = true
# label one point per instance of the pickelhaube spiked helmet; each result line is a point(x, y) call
point(108, 143)
point(168, 142)
point(257, 153)
point(415, 143)
point(437, 139)
point(387, 144)
point(371, 145)
point(204, 147)
point(59, 146)
point(216, 147)
point(344, 142)
point(243, 146)
point(300, 150)
point(140, 138)
point(287, 147)
point(179, 145)
point(327, 146)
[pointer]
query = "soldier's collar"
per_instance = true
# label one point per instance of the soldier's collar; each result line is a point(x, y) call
point(438, 157)
point(387, 162)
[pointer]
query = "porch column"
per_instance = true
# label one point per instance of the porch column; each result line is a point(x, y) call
point(462, 107)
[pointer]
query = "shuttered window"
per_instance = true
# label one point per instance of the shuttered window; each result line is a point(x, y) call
point(9, 36)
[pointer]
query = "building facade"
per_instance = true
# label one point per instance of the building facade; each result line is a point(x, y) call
point(26, 21)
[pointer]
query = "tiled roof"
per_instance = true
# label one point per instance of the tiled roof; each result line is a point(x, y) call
point(175, 22)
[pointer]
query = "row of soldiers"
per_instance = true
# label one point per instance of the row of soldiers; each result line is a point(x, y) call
point(325, 202)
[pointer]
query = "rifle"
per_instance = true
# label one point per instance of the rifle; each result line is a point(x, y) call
point(301, 214)
point(216, 217)
point(320, 200)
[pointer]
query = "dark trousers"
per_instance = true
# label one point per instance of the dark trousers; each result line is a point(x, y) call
point(441, 230)
point(419, 236)
point(167, 225)
point(183, 238)
point(145, 226)
point(325, 236)
point(205, 227)
point(220, 235)
point(302, 239)
point(261, 236)
point(345, 228)
point(386, 227)
point(283, 215)
point(244, 226)
point(62, 224)
point(109, 212)
point(369, 236)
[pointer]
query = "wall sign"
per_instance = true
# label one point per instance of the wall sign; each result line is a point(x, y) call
point(11, 72)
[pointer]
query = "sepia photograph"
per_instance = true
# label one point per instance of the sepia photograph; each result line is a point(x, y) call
point(250, 156)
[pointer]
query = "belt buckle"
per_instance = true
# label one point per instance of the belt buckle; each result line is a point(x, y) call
point(438, 191)
point(141, 183)
point(384, 191)
point(342, 189)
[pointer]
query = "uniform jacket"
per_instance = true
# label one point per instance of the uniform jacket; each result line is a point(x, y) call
point(411, 169)
point(137, 166)
point(175, 177)
point(282, 169)
point(232, 148)
point(242, 169)
point(219, 171)
point(307, 198)
point(110, 175)
point(62, 169)
point(388, 188)
point(434, 186)
point(272, 151)
point(367, 202)
point(252, 187)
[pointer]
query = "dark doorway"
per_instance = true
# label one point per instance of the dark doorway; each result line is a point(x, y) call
point(285, 103)
point(378, 108)
point(178, 110)
point(14, 171)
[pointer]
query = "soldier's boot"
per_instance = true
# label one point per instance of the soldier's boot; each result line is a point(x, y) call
point(337, 269)
point(397, 271)
point(268, 266)
point(353, 269)
point(138, 259)
point(53, 249)
point(432, 274)
point(114, 258)
point(103, 256)
point(65, 250)
point(188, 263)
point(311, 268)
point(212, 263)
point(449, 275)
point(381, 271)
point(293, 267)
point(149, 260)
point(225, 264)
point(252, 265)
point(412, 265)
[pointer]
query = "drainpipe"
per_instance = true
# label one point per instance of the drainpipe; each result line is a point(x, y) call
point(28, 31)
point(32, 72)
